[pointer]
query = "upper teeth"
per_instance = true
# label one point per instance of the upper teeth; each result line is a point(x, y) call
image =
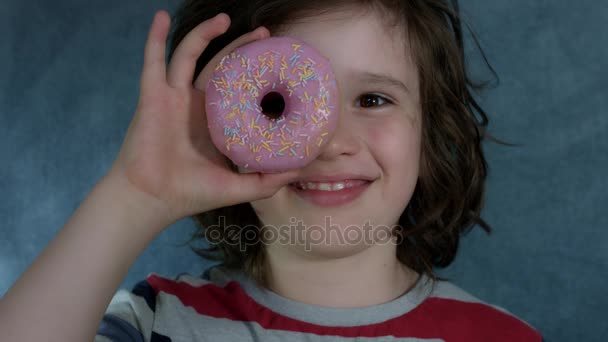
point(333, 186)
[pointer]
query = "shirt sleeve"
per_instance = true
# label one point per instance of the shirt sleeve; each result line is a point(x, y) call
point(129, 316)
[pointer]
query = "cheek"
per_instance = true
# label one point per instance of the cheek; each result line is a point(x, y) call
point(264, 206)
point(274, 209)
point(395, 144)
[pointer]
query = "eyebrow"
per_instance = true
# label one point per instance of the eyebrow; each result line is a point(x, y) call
point(382, 79)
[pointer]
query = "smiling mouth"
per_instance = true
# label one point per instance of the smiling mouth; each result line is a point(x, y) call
point(329, 186)
point(330, 193)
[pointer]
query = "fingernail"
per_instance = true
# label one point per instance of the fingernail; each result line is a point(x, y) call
point(221, 14)
point(260, 32)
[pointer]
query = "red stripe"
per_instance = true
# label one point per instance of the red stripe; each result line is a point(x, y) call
point(447, 319)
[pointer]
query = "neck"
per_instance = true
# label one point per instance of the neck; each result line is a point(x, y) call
point(369, 277)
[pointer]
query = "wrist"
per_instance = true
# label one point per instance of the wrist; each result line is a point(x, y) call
point(144, 210)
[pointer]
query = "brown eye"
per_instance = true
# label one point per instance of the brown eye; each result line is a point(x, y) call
point(372, 100)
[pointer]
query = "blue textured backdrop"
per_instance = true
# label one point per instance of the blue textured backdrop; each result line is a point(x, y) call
point(69, 74)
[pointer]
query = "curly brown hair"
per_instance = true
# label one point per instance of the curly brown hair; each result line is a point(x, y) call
point(449, 195)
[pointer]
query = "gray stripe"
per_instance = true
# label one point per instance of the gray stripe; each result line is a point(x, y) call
point(118, 330)
point(345, 317)
point(449, 290)
point(187, 326)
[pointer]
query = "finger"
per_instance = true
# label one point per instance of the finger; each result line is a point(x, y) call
point(259, 33)
point(154, 69)
point(254, 186)
point(183, 62)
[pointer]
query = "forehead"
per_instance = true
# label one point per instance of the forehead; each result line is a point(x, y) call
point(357, 41)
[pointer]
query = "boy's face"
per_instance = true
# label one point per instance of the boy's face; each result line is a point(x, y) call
point(378, 137)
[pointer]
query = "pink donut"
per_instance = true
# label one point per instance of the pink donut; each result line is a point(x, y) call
point(272, 105)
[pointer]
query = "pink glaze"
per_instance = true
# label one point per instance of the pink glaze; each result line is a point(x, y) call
point(240, 81)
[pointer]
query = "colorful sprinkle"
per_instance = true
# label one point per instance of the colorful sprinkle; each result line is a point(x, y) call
point(241, 80)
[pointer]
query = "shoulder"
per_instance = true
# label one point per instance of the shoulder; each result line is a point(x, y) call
point(185, 290)
point(469, 317)
point(162, 305)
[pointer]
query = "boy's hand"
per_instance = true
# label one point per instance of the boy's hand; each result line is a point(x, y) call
point(167, 152)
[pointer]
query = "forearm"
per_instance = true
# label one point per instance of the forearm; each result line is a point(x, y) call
point(66, 290)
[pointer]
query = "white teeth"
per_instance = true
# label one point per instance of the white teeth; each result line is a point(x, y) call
point(338, 186)
point(334, 186)
point(324, 187)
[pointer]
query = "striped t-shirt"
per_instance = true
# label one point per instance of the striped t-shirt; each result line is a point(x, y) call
point(225, 305)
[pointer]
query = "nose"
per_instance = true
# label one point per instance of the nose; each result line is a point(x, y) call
point(344, 141)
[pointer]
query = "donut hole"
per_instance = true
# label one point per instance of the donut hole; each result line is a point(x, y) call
point(273, 105)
